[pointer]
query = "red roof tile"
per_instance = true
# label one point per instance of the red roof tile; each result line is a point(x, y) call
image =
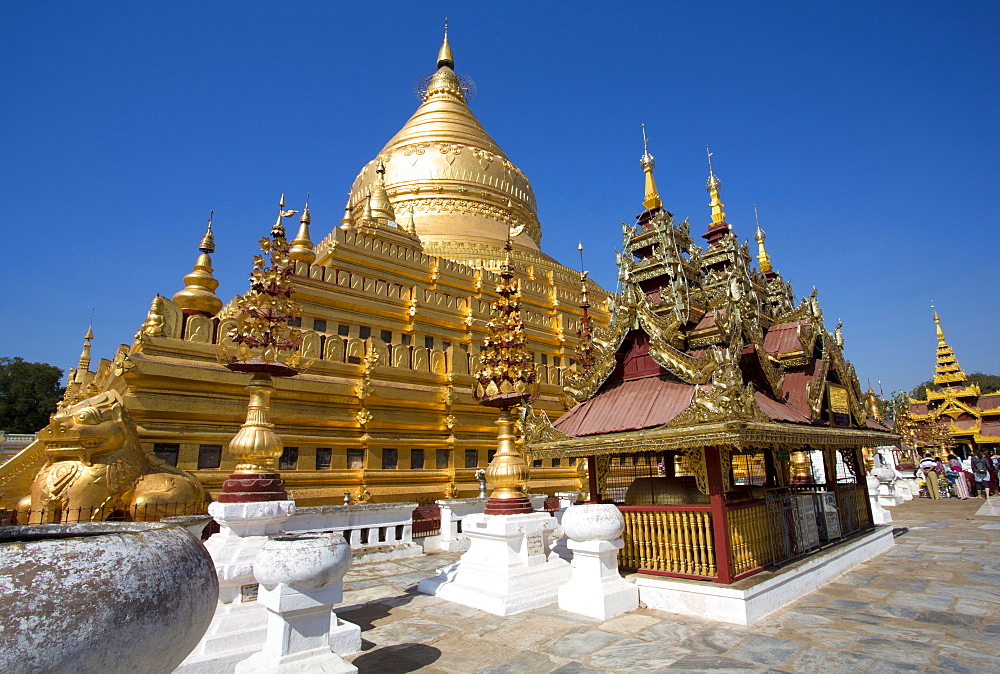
point(989, 402)
point(779, 410)
point(782, 338)
point(627, 406)
point(707, 321)
point(876, 426)
point(991, 428)
point(794, 387)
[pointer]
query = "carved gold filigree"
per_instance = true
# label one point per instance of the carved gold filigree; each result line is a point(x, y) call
point(603, 466)
point(632, 312)
point(727, 400)
point(370, 362)
point(536, 427)
point(495, 212)
point(726, 463)
point(817, 387)
point(362, 495)
point(695, 462)
point(738, 436)
point(363, 416)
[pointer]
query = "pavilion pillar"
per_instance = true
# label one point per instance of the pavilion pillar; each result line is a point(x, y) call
point(862, 486)
point(595, 497)
point(720, 524)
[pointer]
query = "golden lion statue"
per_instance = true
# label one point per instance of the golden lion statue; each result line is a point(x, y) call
point(96, 469)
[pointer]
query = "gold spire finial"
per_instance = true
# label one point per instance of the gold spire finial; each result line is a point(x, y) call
point(762, 257)
point(445, 57)
point(411, 226)
point(713, 185)
point(198, 295)
point(301, 247)
point(207, 244)
point(305, 211)
point(366, 211)
point(947, 372)
point(937, 325)
point(647, 163)
point(84, 363)
point(381, 207)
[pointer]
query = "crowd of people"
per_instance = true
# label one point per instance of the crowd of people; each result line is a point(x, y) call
point(973, 476)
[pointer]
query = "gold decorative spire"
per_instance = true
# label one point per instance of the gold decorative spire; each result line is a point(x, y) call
point(84, 364)
point(262, 333)
point(379, 199)
point(505, 379)
point(713, 185)
point(947, 372)
point(301, 249)
point(762, 257)
point(585, 351)
point(411, 225)
point(198, 295)
point(366, 213)
point(445, 57)
point(207, 244)
point(263, 344)
point(347, 222)
point(647, 163)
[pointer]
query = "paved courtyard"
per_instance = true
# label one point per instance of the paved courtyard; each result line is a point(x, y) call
point(931, 604)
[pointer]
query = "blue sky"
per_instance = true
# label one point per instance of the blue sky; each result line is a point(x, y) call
point(866, 132)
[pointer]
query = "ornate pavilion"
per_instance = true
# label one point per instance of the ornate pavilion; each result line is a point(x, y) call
point(718, 413)
point(968, 420)
point(395, 299)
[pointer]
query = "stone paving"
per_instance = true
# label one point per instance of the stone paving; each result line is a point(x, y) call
point(930, 604)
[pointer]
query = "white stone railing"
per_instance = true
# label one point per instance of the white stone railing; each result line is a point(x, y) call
point(376, 531)
point(453, 513)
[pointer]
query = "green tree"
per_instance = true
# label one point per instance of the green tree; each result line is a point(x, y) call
point(28, 394)
point(988, 383)
point(920, 392)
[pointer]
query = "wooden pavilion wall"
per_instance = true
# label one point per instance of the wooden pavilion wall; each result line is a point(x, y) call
point(726, 542)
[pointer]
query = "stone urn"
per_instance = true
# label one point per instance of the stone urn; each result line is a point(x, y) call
point(593, 522)
point(884, 474)
point(194, 523)
point(102, 597)
point(302, 561)
point(301, 578)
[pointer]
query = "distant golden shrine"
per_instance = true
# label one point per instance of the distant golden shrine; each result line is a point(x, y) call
point(957, 417)
point(395, 301)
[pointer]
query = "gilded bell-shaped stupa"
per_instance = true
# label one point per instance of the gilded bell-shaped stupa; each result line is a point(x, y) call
point(445, 171)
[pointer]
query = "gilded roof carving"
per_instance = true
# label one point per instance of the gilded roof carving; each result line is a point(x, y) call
point(707, 315)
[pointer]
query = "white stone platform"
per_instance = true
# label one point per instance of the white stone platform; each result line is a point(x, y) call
point(749, 600)
point(508, 567)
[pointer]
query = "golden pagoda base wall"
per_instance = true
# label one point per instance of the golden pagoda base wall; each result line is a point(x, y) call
point(392, 334)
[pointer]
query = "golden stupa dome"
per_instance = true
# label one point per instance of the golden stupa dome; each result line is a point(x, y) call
point(446, 174)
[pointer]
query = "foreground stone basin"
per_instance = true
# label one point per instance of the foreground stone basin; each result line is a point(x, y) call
point(102, 597)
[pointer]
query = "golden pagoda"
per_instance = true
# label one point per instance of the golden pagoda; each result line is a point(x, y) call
point(956, 417)
point(395, 299)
